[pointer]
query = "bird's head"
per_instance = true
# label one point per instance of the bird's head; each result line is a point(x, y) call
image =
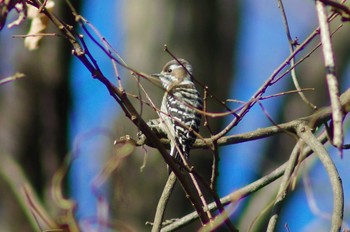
point(174, 73)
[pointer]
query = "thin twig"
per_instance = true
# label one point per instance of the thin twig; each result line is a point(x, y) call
point(215, 167)
point(166, 49)
point(307, 55)
point(284, 185)
point(201, 196)
point(286, 92)
point(269, 82)
point(311, 201)
point(14, 77)
point(224, 216)
point(292, 43)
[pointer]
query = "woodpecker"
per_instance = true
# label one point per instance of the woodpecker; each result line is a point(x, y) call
point(179, 116)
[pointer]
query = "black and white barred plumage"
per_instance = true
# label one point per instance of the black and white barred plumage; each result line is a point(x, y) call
point(179, 117)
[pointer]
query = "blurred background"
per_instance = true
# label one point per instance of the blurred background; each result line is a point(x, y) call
point(233, 46)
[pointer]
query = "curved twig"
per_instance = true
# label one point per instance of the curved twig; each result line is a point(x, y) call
point(163, 201)
point(284, 185)
point(304, 132)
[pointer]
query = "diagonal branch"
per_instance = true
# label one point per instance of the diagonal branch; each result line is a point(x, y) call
point(82, 53)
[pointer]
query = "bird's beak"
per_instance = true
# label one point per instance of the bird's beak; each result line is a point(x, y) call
point(156, 75)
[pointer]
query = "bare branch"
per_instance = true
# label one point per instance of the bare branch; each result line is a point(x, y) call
point(81, 51)
point(248, 189)
point(304, 132)
point(314, 120)
point(284, 185)
point(158, 218)
point(332, 82)
point(193, 184)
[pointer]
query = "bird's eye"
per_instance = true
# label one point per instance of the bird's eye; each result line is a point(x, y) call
point(170, 70)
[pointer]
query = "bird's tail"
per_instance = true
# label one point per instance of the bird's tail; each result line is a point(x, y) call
point(178, 160)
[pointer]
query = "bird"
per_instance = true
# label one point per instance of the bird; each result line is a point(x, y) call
point(180, 116)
